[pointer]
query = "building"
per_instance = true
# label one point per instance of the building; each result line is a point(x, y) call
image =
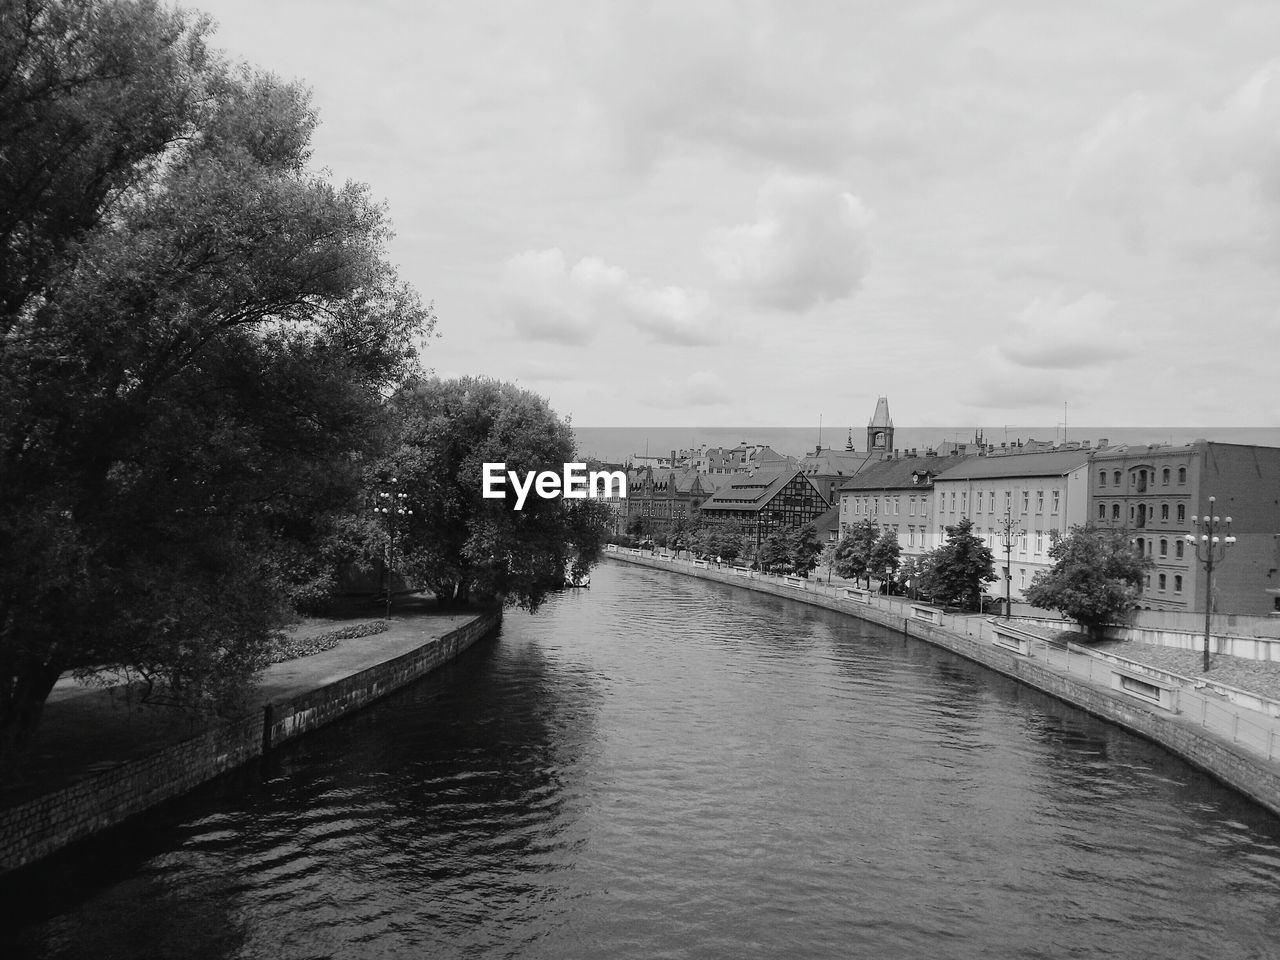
point(744, 458)
point(1039, 493)
point(661, 497)
point(829, 469)
point(1153, 491)
point(880, 430)
point(897, 494)
point(765, 501)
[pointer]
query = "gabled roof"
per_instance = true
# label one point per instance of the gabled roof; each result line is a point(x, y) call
point(1054, 464)
point(750, 493)
point(897, 474)
point(834, 463)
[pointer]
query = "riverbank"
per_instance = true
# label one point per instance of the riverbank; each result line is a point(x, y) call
point(1231, 734)
point(98, 761)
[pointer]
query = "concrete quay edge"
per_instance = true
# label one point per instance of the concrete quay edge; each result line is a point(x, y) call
point(42, 825)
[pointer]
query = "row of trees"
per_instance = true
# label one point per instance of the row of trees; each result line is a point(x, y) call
point(206, 362)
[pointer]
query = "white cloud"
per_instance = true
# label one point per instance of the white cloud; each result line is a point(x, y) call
point(808, 244)
point(548, 301)
point(1056, 335)
point(1203, 180)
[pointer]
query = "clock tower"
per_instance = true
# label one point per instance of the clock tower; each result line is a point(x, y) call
point(880, 430)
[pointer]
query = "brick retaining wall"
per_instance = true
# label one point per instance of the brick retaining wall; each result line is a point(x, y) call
point(44, 825)
point(1251, 775)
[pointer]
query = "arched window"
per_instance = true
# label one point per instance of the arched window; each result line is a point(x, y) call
point(1116, 478)
point(1163, 582)
point(1164, 511)
point(1177, 583)
point(1182, 512)
point(1178, 547)
point(1115, 511)
point(1102, 511)
point(1164, 477)
point(1182, 474)
point(1102, 478)
point(1164, 547)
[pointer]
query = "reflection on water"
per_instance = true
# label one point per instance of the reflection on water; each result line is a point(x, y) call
point(660, 767)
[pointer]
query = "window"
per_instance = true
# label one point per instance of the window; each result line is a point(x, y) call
point(1115, 511)
point(1026, 500)
point(964, 502)
point(1022, 577)
point(911, 533)
point(1116, 478)
point(1178, 547)
point(979, 508)
point(1163, 582)
point(1131, 509)
point(1164, 511)
point(1164, 547)
point(1182, 474)
point(1056, 499)
point(1039, 501)
point(1177, 583)
point(1102, 478)
point(1182, 512)
point(1102, 511)
point(1164, 477)
point(991, 504)
point(911, 507)
point(1039, 541)
point(953, 501)
point(1022, 543)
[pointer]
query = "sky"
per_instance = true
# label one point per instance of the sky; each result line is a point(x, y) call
point(758, 213)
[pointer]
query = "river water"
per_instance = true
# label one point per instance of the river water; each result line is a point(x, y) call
point(664, 767)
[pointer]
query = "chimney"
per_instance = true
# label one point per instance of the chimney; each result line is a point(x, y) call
point(1102, 444)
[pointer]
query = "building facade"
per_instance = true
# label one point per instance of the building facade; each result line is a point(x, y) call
point(1038, 493)
point(897, 495)
point(766, 501)
point(1152, 491)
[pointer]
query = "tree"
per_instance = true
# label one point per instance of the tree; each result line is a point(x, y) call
point(197, 334)
point(1095, 579)
point(775, 552)
point(955, 571)
point(853, 552)
point(885, 556)
point(805, 549)
point(463, 545)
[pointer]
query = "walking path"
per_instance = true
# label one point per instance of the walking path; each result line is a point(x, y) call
point(86, 729)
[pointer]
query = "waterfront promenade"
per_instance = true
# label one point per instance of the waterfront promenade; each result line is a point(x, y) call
point(1230, 731)
point(98, 758)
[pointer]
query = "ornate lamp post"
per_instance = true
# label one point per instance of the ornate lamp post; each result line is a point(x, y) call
point(391, 504)
point(1210, 549)
point(1007, 537)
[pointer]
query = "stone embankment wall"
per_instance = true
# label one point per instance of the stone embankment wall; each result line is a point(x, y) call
point(39, 827)
point(1253, 775)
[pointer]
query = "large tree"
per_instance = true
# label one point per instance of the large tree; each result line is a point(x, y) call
point(196, 332)
point(1095, 579)
point(955, 571)
point(854, 551)
point(806, 548)
point(462, 545)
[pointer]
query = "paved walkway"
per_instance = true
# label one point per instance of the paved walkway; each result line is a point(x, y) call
point(85, 729)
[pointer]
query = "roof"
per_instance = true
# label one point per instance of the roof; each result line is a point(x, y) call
point(750, 492)
point(1054, 464)
point(831, 462)
point(881, 417)
point(897, 473)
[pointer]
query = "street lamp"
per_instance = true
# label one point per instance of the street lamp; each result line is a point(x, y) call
point(391, 504)
point(1210, 549)
point(1007, 536)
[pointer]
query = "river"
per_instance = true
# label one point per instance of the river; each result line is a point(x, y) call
point(666, 767)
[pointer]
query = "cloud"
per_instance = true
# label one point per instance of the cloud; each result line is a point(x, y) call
point(1204, 180)
point(1051, 334)
point(808, 244)
point(546, 300)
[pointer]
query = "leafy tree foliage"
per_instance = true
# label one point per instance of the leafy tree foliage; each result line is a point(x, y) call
point(459, 543)
point(196, 332)
point(853, 552)
point(955, 571)
point(805, 549)
point(775, 553)
point(1096, 577)
point(886, 554)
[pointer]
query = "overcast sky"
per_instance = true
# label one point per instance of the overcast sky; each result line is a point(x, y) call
point(758, 213)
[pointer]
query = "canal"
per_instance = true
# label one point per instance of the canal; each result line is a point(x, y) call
point(666, 767)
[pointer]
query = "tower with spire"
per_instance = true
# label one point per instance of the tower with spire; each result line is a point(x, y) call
point(880, 430)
